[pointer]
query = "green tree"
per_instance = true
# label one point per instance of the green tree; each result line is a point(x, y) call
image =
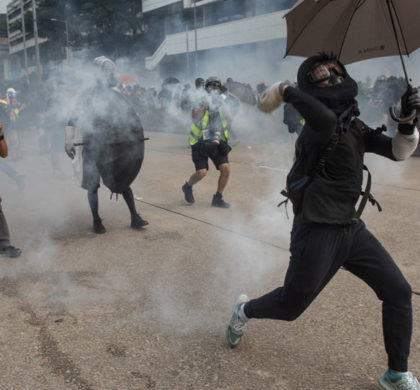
point(109, 26)
point(3, 27)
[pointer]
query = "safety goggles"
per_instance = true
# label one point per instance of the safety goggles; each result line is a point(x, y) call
point(329, 70)
point(214, 85)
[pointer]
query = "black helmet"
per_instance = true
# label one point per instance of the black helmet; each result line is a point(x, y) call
point(213, 82)
point(199, 82)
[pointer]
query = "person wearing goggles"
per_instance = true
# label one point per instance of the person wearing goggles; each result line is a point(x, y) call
point(326, 74)
point(209, 137)
point(324, 186)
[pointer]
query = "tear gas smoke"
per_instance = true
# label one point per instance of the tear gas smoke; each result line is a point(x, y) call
point(53, 215)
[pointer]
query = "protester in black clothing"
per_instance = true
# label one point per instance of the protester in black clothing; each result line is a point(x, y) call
point(113, 142)
point(324, 185)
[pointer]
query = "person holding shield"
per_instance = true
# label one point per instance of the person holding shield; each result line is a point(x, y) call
point(324, 185)
point(113, 142)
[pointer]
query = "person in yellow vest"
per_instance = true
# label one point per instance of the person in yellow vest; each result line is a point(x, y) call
point(15, 108)
point(209, 139)
point(9, 170)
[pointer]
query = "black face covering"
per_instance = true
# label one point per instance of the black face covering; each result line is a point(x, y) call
point(338, 97)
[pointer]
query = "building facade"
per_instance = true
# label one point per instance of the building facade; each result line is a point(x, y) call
point(21, 38)
point(188, 33)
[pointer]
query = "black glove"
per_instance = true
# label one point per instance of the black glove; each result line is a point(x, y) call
point(410, 101)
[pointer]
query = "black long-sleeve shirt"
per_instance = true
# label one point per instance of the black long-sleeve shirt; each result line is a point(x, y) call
point(333, 192)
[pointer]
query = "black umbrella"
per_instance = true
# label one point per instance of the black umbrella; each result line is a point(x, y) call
point(242, 91)
point(355, 30)
point(171, 80)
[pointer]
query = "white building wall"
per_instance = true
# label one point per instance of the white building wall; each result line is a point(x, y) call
point(244, 31)
point(150, 5)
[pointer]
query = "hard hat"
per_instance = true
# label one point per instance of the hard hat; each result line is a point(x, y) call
point(104, 63)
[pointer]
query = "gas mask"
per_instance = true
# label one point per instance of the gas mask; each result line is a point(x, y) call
point(215, 101)
point(326, 74)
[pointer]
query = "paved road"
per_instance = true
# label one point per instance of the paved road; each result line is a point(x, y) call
point(147, 310)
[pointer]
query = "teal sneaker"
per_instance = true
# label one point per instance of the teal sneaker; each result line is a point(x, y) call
point(399, 382)
point(235, 326)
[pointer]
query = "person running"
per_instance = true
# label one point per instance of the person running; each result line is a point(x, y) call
point(209, 139)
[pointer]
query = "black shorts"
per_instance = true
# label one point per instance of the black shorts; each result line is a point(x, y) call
point(202, 161)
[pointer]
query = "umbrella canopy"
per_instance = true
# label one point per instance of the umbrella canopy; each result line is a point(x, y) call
point(126, 78)
point(242, 91)
point(354, 30)
point(171, 80)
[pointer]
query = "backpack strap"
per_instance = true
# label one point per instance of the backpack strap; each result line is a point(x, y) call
point(367, 196)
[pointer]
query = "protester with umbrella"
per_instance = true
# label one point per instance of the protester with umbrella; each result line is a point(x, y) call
point(324, 185)
point(325, 181)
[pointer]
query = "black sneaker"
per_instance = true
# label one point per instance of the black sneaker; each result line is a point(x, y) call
point(137, 222)
point(98, 227)
point(219, 202)
point(187, 189)
point(10, 251)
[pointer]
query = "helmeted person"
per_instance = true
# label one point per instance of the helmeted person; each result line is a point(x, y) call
point(113, 142)
point(209, 139)
point(199, 83)
point(324, 185)
point(15, 108)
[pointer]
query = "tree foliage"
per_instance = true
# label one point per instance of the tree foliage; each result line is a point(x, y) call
point(3, 28)
point(109, 26)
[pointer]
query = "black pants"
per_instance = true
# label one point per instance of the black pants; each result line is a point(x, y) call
point(317, 252)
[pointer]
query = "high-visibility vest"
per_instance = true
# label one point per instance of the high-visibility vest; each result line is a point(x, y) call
point(196, 133)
